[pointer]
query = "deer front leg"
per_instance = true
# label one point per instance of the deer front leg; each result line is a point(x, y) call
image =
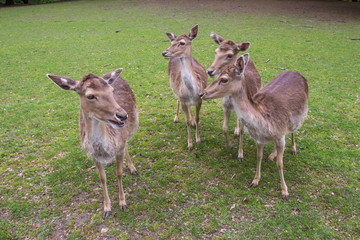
point(293, 145)
point(237, 128)
point(107, 202)
point(198, 107)
point(119, 173)
point(241, 151)
point(272, 155)
point(280, 146)
point(186, 112)
point(176, 119)
point(225, 126)
point(255, 182)
point(129, 162)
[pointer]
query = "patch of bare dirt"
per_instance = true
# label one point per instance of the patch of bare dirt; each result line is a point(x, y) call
point(323, 10)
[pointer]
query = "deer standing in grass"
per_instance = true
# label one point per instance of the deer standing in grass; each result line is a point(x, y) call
point(276, 110)
point(226, 55)
point(108, 120)
point(187, 79)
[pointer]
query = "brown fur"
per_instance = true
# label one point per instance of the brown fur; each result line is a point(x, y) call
point(108, 119)
point(221, 62)
point(276, 110)
point(187, 79)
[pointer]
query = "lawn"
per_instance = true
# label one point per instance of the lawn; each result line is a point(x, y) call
point(50, 189)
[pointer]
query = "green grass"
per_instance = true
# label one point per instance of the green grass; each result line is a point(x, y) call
point(50, 189)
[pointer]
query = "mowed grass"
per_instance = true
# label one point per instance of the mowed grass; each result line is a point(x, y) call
point(50, 189)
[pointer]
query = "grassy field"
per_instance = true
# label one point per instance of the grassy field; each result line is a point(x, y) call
point(50, 189)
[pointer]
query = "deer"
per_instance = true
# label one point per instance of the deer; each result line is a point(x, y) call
point(277, 109)
point(187, 79)
point(226, 55)
point(108, 120)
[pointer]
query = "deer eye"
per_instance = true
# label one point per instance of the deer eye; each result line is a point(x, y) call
point(90, 97)
point(229, 55)
point(182, 43)
point(224, 80)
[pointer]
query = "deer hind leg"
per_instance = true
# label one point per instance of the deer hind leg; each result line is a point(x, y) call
point(237, 128)
point(293, 145)
point(176, 119)
point(241, 151)
point(198, 107)
point(107, 202)
point(280, 146)
point(193, 121)
point(119, 174)
point(255, 182)
point(272, 155)
point(225, 126)
point(186, 112)
point(129, 162)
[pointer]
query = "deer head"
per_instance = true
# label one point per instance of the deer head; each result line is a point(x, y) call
point(96, 97)
point(229, 82)
point(225, 54)
point(181, 45)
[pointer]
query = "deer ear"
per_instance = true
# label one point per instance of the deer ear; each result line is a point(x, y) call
point(63, 82)
point(193, 32)
point(241, 63)
point(171, 36)
point(111, 76)
point(243, 47)
point(217, 39)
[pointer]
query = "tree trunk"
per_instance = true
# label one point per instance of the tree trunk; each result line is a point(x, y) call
point(9, 2)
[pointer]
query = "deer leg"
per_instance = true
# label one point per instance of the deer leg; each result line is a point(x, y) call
point(186, 112)
point(198, 107)
point(255, 182)
point(293, 145)
point(107, 202)
point(237, 128)
point(176, 119)
point(129, 162)
point(280, 146)
point(119, 173)
point(225, 126)
point(272, 155)
point(241, 151)
point(193, 122)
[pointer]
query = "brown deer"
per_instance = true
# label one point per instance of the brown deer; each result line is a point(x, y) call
point(276, 110)
point(187, 79)
point(108, 120)
point(226, 55)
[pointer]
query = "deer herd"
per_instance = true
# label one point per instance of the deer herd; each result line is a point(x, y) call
point(109, 117)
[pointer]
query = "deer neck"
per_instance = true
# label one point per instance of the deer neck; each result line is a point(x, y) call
point(187, 74)
point(95, 130)
point(245, 108)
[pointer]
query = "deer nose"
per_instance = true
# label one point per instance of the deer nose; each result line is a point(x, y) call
point(201, 95)
point(121, 117)
point(164, 53)
point(210, 72)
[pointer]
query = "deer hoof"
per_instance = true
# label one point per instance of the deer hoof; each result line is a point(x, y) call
point(190, 148)
point(106, 214)
point(268, 160)
point(253, 185)
point(285, 197)
point(293, 152)
point(240, 159)
point(122, 208)
point(135, 173)
point(236, 135)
